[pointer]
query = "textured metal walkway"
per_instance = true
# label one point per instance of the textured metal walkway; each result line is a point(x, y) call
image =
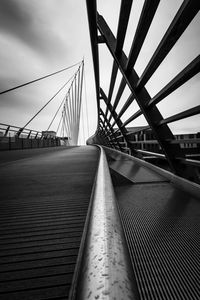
point(44, 201)
point(161, 225)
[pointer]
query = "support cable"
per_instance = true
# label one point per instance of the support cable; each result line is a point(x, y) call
point(56, 113)
point(59, 125)
point(61, 131)
point(35, 80)
point(65, 122)
point(78, 95)
point(83, 125)
point(71, 112)
point(72, 102)
point(67, 119)
point(81, 88)
point(46, 104)
point(86, 104)
point(69, 109)
point(72, 106)
point(73, 118)
point(75, 98)
point(78, 106)
point(75, 103)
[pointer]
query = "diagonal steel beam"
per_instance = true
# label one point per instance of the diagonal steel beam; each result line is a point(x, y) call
point(118, 122)
point(102, 135)
point(186, 74)
point(184, 16)
point(111, 129)
point(146, 17)
point(142, 97)
point(148, 12)
point(124, 108)
point(91, 10)
point(182, 115)
point(124, 15)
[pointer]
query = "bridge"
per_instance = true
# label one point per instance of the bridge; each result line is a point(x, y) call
point(117, 218)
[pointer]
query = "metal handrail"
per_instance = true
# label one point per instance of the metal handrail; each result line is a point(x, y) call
point(105, 269)
point(30, 133)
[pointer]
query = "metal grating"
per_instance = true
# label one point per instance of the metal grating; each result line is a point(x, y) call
point(161, 224)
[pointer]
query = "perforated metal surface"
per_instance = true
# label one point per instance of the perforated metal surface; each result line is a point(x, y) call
point(162, 228)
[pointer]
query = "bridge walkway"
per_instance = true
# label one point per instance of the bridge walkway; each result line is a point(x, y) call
point(161, 225)
point(44, 201)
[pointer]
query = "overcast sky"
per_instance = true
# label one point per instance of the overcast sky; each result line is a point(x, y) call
point(38, 37)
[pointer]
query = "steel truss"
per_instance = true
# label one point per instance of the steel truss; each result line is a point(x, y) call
point(106, 134)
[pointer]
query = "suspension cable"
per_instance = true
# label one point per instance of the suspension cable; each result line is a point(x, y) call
point(81, 106)
point(35, 80)
point(62, 127)
point(56, 113)
point(59, 125)
point(86, 104)
point(72, 77)
point(48, 102)
point(72, 108)
point(83, 125)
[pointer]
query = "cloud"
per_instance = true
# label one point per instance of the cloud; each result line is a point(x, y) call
point(21, 20)
point(38, 38)
point(15, 20)
point(13, 16)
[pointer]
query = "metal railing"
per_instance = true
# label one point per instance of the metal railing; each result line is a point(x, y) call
point(112, 129)
point(14, 137)
point(10, 130)
point(104, 263)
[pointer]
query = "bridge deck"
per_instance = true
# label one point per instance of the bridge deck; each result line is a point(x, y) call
point(44, 200)
point(161, 224)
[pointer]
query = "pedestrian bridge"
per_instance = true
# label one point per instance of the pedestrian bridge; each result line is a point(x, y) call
point(113, 219)
point(65, 224)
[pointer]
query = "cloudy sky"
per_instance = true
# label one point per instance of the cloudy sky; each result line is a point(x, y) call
point(38, 37)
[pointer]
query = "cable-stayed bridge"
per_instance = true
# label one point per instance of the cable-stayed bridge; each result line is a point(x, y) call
point(118, 218)
point(69, 122)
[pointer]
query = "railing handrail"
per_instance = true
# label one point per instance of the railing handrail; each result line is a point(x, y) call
point(30, 133)
point(105, 268)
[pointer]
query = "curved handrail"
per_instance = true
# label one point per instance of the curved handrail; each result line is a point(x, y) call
point(105, 270)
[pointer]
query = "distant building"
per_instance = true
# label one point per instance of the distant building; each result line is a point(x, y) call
point(144, 139)
point(48, 134)
point(188, 140)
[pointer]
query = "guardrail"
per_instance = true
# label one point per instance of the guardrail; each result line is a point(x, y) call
point(104, 269)
point(112, 129)
point(14, 137)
